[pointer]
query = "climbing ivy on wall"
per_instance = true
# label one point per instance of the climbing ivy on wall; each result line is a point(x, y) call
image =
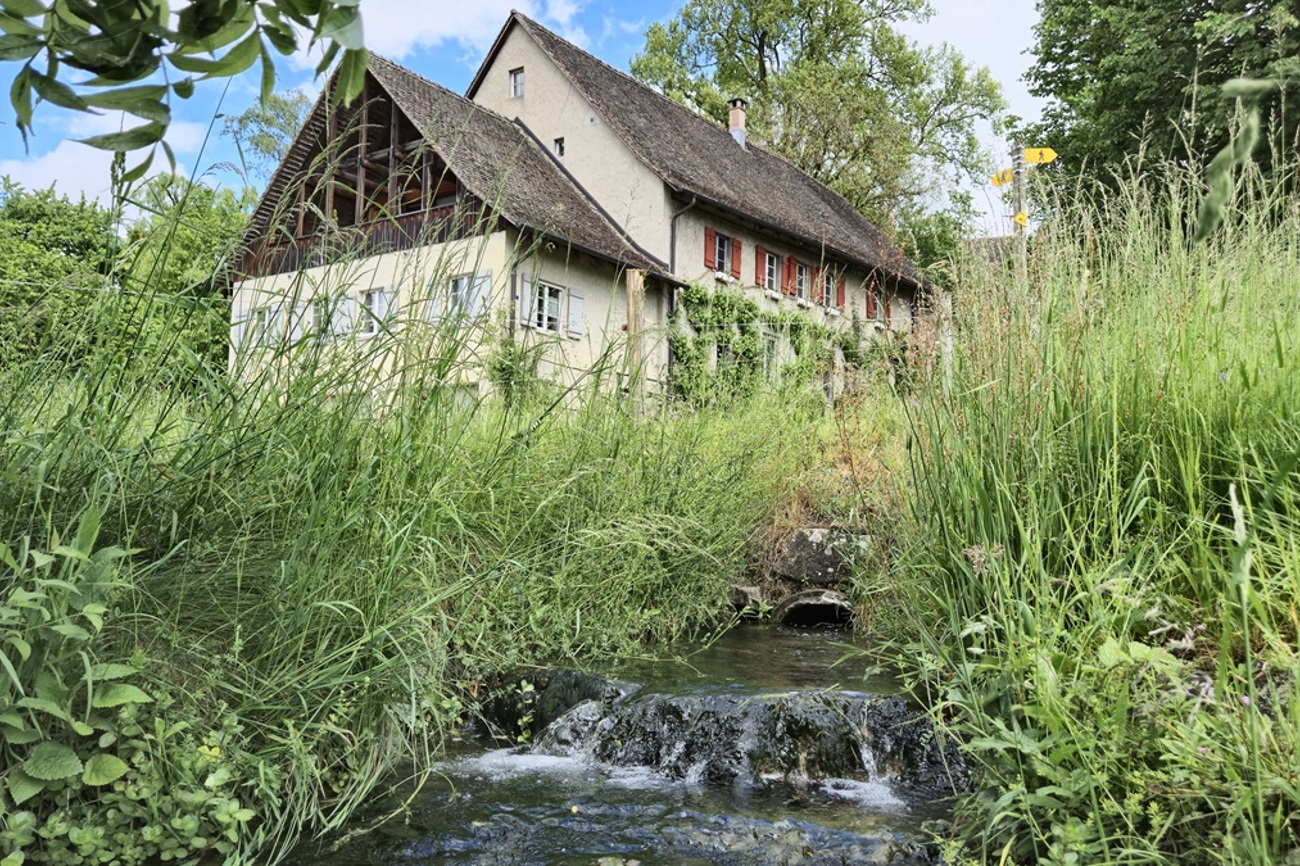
point(732, 325)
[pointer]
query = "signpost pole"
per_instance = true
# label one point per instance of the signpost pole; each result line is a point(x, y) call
point(1019, 195)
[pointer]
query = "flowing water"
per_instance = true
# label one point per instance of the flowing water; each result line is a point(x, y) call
point(759, 749)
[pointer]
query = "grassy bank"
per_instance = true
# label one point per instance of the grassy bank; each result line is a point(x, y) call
point(1104, 550)
point(229, 606)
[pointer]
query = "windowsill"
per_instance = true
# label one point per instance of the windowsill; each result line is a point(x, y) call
point(772, 293)
point(804, 302)
point(878, 325)
point(833, 313)
point(724, 277)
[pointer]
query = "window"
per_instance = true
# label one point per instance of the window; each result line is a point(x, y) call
point(467, 295)
point(376, 306)
point(558, 147)
point(771, 265)
point(517, 83)
point(545, 313)
point(877, 304)
point(828, 288)
point(802, 281)
point(722, 253)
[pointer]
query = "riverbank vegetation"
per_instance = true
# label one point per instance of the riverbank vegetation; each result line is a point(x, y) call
point(1103, 558)
point(230, 605)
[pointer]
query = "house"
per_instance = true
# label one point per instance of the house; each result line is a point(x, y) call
point(559, 204)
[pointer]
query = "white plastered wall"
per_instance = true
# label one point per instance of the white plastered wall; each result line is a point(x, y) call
point(552, 108)
point(418, 327)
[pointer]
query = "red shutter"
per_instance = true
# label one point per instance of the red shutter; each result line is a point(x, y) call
point(735, 257)
point(710, 249)
point(871, 300)
point(787, 276)
point(760, 266)
point(818, 293)
point(839, 294)
point(888, 298)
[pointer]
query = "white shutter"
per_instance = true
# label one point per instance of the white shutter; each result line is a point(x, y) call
point(298, 321)
point(527, 303)
point(237, 326)
point(480, 288)
point(575, 315)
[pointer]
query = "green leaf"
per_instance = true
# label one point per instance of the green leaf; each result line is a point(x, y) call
point(24, 8)
point(82, 728)
point(184, 88)
point(46, 706)
point(68, 630)
point(14, 46)
point(23, 647)
point(112, 671)
point(22, 787)
point(131, 139)
point(117, 694)
point(20, 96)
point(52, 762)
point(103, 769)
point(16, 720)
point(1111, 653)
point(342, 24)
point(39, 558)
point(12, 24)
point(56, 92)
point(16, 737)
point(352, 75)
point(268, 75)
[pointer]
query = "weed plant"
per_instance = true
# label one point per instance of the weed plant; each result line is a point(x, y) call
point(232, 603)
point(1107, 513)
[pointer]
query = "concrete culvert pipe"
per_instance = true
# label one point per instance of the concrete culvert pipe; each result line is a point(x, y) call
point(814, 608)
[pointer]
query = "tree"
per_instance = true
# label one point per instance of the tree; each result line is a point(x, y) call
point(56, 256)
point(173, 260)
point(124, 45)
point(1124, 75)
point(835, 88)
point(265, 130)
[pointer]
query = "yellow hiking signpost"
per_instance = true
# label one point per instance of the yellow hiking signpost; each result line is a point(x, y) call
point(1039, 155)
point(1022, 158)
point(1004, 177)
point(1021, 219)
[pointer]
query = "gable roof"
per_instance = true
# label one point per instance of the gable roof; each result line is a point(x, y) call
point(497, 161)
point(696, 156)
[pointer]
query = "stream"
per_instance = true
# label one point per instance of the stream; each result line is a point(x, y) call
point(758, 749)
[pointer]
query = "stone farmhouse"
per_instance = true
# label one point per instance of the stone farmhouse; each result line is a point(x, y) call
point(560, 205)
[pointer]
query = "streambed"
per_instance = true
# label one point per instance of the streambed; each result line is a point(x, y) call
point(757, 749)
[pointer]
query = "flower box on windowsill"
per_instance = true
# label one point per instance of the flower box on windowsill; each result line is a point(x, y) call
point(724, 277)
point(804, 302)
point(877, 324)
point(833, 312)
point(772, 293)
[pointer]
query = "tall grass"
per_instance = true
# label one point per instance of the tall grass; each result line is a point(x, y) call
point(318, 558)
point(1108, 507)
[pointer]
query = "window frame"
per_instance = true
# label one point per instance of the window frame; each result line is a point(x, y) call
point(369, 323)
point(771, 271)
point(517, 83)
point(539, 316)
point(802, 281)
point(722, 250)
point(829, 282)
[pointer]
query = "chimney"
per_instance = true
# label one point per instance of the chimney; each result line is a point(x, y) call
point(736, 120)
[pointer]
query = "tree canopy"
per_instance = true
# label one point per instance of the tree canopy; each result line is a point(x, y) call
point(1124, 75)
point(833, 86)
point(139, 56)
point(263, 133)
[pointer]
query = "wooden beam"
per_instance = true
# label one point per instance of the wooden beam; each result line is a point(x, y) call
point(361, 166)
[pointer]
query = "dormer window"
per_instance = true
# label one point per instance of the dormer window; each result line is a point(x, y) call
point(517, 83)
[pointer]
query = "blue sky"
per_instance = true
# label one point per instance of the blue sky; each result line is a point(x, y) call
point(445, 41)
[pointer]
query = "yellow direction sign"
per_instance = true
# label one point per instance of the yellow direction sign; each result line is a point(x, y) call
point(1039, 155)
point(1004, 177)
point(1021, 219)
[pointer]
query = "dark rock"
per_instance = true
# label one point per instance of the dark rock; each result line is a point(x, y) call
point(527, 703)
point(820, 557)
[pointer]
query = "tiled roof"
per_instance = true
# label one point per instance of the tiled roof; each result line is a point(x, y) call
point(696, 156)
point(503, 165)
point(496, 160)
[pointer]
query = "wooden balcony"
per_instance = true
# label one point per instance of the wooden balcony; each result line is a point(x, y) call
point(387, 235)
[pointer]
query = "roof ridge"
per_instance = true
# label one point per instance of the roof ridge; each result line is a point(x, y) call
point(702, 118)
point(404, 70)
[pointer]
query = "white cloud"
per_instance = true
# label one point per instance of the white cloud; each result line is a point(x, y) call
point(394, 30)
point(72, 168)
